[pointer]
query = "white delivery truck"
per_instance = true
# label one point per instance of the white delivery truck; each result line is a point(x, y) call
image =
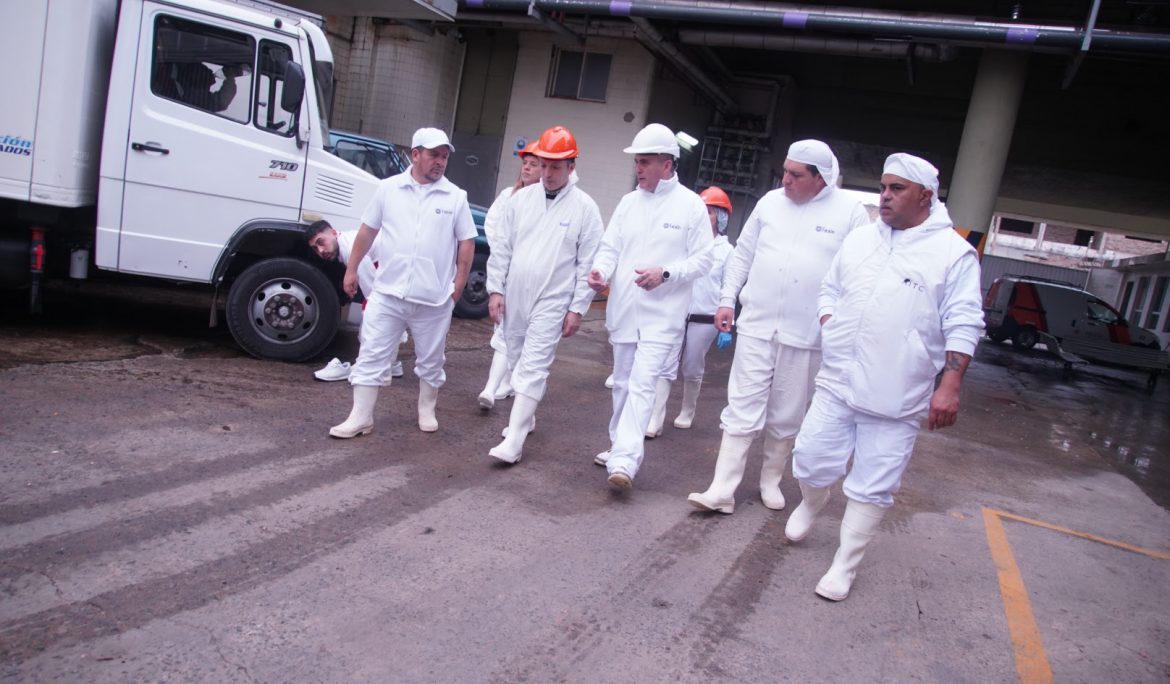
point(176, 139)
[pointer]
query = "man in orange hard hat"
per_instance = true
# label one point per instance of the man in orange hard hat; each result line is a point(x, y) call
point(701, 330)
point(538, 277)
point(781, 256)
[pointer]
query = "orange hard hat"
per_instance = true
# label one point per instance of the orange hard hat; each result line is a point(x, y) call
point(714, 197)
point(556, 143)
point(530, 148)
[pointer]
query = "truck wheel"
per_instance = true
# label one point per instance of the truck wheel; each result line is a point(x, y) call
point(1025, 337)
point(283, 309)
point(473, 303)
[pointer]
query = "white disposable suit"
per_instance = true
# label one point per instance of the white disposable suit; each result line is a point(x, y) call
point(780, 258)
point(491, 231)
point(899, 300)
point(540, 263)
point(667, 228)
point(690, 358)
point(419, 230)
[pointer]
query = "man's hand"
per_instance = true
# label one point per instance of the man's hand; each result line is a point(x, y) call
point(724, 317)
point(596, 282)
point(496, 307)
point(825, 319)
point(571, 325)
point(648, 278)
point(944, 403)
point(350, 282)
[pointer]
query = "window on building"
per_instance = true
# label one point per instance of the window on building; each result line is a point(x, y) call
point(1139, 300)
point(1083, 238)
point(578, 75)
point(269, 86)
point(1157, 299)
point(1011, 225)
point(203, 66)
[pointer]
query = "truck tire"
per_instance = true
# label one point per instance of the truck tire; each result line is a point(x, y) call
point(283, 309)
point(1025, 337)
point(473, 303)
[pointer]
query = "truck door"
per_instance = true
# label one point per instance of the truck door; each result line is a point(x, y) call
point(209, 148)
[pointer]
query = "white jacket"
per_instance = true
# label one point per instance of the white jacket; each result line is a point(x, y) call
point(420, 227)
point(899, 300)
point(705, 292)
point(494, 213)
point(667, 228)
point(780, 259)
point(544, 250)
point(366, 270)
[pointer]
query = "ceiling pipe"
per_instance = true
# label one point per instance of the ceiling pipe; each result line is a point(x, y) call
point(656, 42)
point(883, 49)
point(539, 15)
point(906, 26)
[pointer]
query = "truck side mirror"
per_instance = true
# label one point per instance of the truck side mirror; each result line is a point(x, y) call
point(293, 91)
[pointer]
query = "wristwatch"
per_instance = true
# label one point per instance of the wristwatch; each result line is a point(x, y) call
point(665, 274)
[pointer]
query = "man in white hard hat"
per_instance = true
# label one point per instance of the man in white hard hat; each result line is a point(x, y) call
point(657, 243)
point(537, 277)
point(780, 258)
point(426, 238)
point(900, 316)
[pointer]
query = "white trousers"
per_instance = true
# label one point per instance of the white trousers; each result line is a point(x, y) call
point(769, 389)
point(636, 369)
point(693, 361)
point(881, 449)
point(383, 323)
point(531, 345)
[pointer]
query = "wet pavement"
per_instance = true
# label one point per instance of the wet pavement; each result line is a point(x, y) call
point(171, 510)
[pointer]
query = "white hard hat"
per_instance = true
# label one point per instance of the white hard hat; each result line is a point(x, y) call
point(654, 139)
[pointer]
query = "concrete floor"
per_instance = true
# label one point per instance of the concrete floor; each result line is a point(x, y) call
point(171, 510)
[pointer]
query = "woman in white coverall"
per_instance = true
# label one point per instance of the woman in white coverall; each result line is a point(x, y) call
point(900, 316)
point(781, 256)
point(498, 384)
point(701, 331)
point(657, 243)
point(538, 277)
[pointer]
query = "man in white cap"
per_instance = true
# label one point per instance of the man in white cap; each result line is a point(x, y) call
point(900, 315)
point(426, 242)
point(776, 269)
point(537, 277)
point(658, 241)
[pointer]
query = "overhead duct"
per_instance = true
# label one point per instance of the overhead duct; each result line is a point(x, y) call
point(883, 24)
point(648, 34)
point(882, 49)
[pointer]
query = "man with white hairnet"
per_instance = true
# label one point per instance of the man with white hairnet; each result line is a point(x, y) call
point(900, 316)
point(658, 241)
point(778, 263)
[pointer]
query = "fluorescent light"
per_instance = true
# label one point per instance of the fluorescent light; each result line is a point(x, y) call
point(686, 140)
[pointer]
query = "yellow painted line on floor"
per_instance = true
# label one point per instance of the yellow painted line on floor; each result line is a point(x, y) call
point(1084, 535)
point(1031, 661)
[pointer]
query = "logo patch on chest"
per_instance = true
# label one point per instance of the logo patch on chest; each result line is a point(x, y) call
point(671, 226)
point(443, 211)
point(913, 285)
point(823, 229)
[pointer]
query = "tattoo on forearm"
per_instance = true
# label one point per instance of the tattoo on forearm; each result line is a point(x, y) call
point(957, 362)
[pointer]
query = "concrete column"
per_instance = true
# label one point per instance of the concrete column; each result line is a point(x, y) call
point(987, 135)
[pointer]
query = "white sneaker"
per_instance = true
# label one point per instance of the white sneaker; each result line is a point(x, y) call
point(336, 369)
point(396, 370)
point(609, 382)
point(602, 458)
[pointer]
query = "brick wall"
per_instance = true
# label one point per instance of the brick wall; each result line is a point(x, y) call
point(600, 128)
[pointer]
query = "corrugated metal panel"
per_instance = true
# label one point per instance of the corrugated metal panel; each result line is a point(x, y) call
point(995, 266)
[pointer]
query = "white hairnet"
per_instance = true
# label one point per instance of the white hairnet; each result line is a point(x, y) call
point(816, 153)
point(721, 220)
point(915, 170)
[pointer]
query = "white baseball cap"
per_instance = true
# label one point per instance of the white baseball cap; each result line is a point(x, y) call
point(430, 138)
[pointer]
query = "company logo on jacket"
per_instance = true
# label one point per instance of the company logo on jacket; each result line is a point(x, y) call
point(439, 210)
point(671, 226)
point(913, 285)
point(14, 144)
point(825, 229)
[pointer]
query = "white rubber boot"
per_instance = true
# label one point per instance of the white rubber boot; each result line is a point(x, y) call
point(427, 396)
point(720, 495)
point(505, 389)
point(499, 369)
point(658, 415)
point(531, 426)
point(361, 416)
point(812, 500)
point(686, 414)
point(523, 413)
point(609, 382)
point(776, 452)
point(858, 528)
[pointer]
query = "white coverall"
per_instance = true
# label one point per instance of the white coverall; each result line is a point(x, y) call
point(491, 224)
point(691, 358)
point(667, 228)
point(899, 300)
point(420, 227)
point(780, 258)
point(366, 269)
point(540, 262)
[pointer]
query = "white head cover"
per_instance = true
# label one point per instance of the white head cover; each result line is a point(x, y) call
point(816, 153)
point(915, 170)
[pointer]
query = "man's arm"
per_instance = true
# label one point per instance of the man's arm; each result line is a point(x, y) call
point(466, 255)
point(361, 245)
point(944, 403)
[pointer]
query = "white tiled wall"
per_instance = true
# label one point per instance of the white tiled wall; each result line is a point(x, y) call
point(600, 128)
point(392, 80)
